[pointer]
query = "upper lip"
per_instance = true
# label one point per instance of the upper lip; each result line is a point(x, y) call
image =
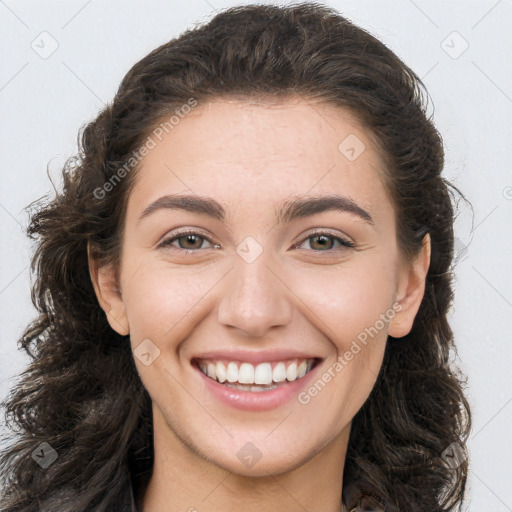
point(254, 357)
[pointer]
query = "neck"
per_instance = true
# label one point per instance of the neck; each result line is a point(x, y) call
point(182, 480)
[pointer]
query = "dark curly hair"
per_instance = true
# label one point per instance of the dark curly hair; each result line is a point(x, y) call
point(81, 392)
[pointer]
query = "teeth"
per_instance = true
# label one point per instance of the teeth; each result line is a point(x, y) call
point(220, 370)
point(232, 375)
point(279, 373)
point(210, 370)
point(302, 369)
point(291, 372)
point(251, 388)
point(263, 374)
point(245, 375)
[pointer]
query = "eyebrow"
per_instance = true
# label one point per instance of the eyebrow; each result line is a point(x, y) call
point(311, 205)
point(290, 210)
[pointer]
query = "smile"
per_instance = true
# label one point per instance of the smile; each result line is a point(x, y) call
point(261, 377)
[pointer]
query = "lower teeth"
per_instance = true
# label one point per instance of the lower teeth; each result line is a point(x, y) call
point(250, 388)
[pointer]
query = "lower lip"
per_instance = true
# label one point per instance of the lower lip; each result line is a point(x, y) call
point(256, 400)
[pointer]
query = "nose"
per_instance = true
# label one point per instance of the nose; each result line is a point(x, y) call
point(255, 298)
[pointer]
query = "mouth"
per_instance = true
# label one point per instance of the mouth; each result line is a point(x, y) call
point(255, 378)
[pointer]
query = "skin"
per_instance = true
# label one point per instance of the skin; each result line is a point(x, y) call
point(251, 156)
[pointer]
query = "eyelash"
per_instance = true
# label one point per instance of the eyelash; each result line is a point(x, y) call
point(342, 241)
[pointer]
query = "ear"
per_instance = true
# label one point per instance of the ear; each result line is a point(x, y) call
point(410, 291)
point(108, 293)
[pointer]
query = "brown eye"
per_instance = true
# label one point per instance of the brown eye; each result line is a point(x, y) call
point(190, 241)
point(321, 242)
point(187, 241)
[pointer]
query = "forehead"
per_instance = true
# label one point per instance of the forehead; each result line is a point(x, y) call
point(263, 150)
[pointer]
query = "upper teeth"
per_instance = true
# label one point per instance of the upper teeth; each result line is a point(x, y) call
point(263, 373)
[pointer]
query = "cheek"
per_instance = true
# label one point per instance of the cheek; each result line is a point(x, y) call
point(346, 301)
point(351, 310)
point(158, 299)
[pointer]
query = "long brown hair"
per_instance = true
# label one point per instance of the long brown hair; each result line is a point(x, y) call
point(81, 393)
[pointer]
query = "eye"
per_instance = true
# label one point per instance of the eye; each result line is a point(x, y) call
point(191, 241)
point(188, 241)
point(325, 241)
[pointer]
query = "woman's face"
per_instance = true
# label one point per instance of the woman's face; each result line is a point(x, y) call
point(271, 282)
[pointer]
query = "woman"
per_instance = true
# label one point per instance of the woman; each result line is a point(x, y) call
point(243, 287)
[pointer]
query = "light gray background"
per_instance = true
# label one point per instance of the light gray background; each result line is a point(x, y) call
point(44, 101)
